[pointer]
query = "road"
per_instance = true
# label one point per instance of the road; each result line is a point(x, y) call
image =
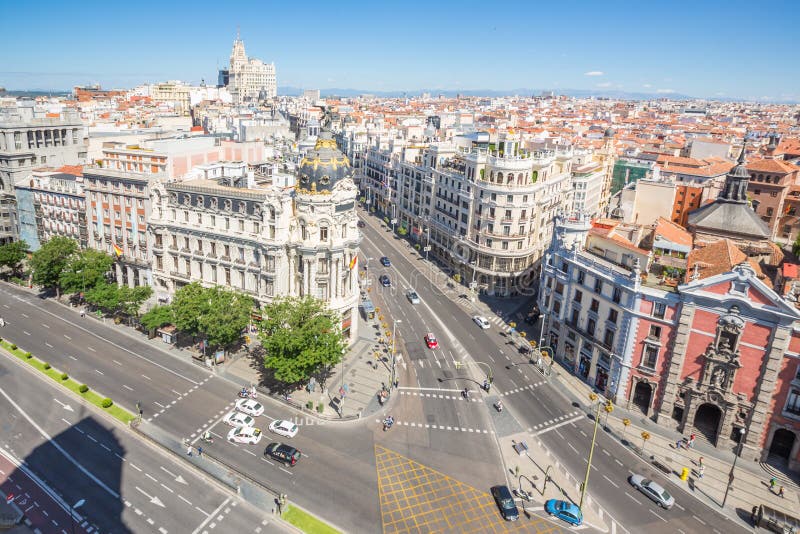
point(537, 404)
point(127, 485)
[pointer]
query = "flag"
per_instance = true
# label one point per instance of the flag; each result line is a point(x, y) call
point(353, 261)
point(117, 250)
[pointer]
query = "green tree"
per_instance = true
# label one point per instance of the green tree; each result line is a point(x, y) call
point(189, 304)
point(105, 296)
point(227, 313)
point(85, 270)
point(12, 254)
point(132, 298)
point(157, 317)
point(301, 336)
point(49, 262)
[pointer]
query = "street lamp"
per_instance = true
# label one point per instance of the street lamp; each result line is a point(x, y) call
point(541, 329)
point(72, 512)
point(733, 466)
point(472, 284)
point(394, 351)
point(489, 373)
point(593, 397)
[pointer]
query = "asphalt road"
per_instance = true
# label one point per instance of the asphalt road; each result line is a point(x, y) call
point(128, 486)
point(534, 407)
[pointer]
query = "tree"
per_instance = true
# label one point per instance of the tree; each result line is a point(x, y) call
point(301, 336)
point(189, 304)
point(132, 298)
point(12, 254)
point(49, 262)
point(105, 296)
point(226, 315)
point(157, 317)
point(85, 270)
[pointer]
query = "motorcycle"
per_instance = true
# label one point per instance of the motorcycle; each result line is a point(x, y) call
point(498, 406)
point(244, 394)
point(207, 440)
point(387, 423)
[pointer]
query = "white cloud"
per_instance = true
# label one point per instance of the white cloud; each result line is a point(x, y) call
point(594, 73)
point(647, 86)
point(604, 84)
point(665, 91)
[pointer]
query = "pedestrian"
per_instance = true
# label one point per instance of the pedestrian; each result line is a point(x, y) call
point(199, 451)
point(772, 483)
point(780, 493)
point(701, 462)
point(701, 470)
point(188, 450)
point(690, 444)
point(679, 443)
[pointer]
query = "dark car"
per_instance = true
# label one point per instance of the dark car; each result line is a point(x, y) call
point(282, 453)
point(505, 501)
point(361, 224)
point(384, 280)
point(385, 262)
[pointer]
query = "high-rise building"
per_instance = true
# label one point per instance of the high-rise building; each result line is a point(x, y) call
point(250, 79)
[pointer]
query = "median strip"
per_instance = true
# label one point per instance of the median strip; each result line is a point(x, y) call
point(306, 522)
point(62, 378)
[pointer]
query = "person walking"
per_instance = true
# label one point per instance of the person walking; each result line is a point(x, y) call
point(199, 451)
point(701, 470)
point(780, 493)
point(188, 450)
point(772, 483)
point(679, 444)
point(690, 443)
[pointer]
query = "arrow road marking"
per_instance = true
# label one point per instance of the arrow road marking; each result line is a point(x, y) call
point(65, 406)
point(153, 499)
point(177, 478)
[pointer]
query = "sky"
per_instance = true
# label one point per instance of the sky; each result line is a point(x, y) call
point(703, 49)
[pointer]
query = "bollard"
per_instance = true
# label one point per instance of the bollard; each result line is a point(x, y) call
point(684, 473)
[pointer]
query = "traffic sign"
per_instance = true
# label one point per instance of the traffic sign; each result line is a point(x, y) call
point(393, 221)
point(426, 249)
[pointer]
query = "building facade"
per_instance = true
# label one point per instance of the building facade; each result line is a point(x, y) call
point(250, 79)
point(30, 139)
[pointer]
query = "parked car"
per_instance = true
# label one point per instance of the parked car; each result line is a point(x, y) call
point(431, 341)
point(283, 453)
point(283, 428)
point(235, 418)
point(653, 490)
point(413, 297)
point(483, 322)
point(564, 510)
point(505, 502)
point(249, 407)
point(384, 280)
point(385, 262)
point(361, 224)
point(245, 434)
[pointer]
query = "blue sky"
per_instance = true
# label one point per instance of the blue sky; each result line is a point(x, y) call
point(700, 48)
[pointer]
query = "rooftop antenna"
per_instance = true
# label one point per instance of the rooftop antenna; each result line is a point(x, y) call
point(238, 37)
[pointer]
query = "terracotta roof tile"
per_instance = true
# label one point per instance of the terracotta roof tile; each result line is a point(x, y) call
point(714, 259)
point(673, 232)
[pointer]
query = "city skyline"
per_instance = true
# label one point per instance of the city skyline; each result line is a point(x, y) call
point(417, 47)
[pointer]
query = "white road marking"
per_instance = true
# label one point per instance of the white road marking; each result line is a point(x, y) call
point(158, 404)
point(45, 325)
point(184, 500)
point(658, 516)
point(135, 467)
point(634, 499)
point(115, 361)
point(699, 520)
point(573, 448)
point(147, 377)
point(611, 481)
point(66, 336)
point(209, 517)
point(127, 387)
point(562, 423)
point(91, 349)
point(98, 372)
point(74, 358)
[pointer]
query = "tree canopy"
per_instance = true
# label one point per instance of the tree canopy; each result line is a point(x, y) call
point(301, 336)
point(12, 254)
point(217, 313)
point(157, 317)
point(49, 261)
point(85, 270)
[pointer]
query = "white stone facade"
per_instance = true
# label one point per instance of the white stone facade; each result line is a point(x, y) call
point(250, 78)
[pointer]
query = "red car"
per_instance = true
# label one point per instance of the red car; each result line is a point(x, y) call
point(430, 340)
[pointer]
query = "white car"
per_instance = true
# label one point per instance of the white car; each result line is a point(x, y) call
point(245, 434)
point(413, 296)
point(250, 407)
point(284, 428)
point(481, 321)
point(235, 418)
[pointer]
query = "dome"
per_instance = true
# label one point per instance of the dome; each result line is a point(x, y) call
point(324, 166)
point(609, 132)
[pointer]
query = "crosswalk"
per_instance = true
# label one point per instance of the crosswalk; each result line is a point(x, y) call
point(444, 396)
point(413, 424)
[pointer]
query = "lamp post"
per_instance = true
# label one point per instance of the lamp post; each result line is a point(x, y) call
point(541, 329)
point(472, 284)
point(489, 373)
point(593, 397)
point(72, 512)
point(394, 351)
point(733, 466)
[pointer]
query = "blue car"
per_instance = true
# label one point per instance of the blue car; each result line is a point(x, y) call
point(566, 511)
point(505, 501)
point(384, 280)
point(385, 262)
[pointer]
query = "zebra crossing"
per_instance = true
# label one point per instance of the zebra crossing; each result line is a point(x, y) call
point(440, 396)
point(556, 422)
point(413, 424)
point(523, 388)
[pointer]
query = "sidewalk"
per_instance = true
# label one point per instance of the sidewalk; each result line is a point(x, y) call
point(751, 482)
point(536, 471)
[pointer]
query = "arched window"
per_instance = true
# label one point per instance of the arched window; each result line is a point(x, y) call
point(491, 176)
point(500, 177)
point(520, 179)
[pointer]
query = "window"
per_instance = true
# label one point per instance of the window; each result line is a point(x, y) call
point(186, 216)
point(650, 357)
point(608, 338)
point(595, 305)
point(598, 286)
point(504, 245)
point(659, 309)
point(772, 194)
point(575, 316)
point(655, 332)
point(617, 295)
point(612, 316)
point(559, 288)
point(590, 326)
point(793, 404)
point(581, 277)
point(323, 233)
point(241, 225)
point(556, 307)
point(510, 199)
point(578, 296)
point(769, 212)
point(797, 373)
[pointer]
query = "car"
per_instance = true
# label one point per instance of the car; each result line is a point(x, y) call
point(505, 501)
point(284, 428)
point(245, 434)
point(361, 224)
point(385, 262)
point(481, 321)
point(431, 341)
point(283, 453)
point(412, 296)
point(235, 418)
point(384, 280)
point(566, 511)
point(249, 407)
point(653, 490)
